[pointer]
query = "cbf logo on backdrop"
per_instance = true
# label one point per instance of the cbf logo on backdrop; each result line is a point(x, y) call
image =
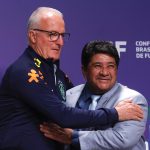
point(142, 48)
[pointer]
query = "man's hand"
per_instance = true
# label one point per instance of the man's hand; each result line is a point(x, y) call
point(129, 111)
point(55, 132)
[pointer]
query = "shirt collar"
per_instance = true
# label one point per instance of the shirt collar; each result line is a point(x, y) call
point(85, 94)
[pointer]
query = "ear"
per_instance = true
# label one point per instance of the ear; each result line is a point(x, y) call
point(32, 36)
point(84, 72)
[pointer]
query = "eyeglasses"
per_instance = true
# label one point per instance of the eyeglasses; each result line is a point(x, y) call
point(54, 36)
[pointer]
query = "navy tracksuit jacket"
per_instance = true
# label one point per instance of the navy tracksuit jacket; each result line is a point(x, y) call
point(29, 95)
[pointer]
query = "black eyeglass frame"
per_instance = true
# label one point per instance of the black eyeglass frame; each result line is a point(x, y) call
point(65, 35)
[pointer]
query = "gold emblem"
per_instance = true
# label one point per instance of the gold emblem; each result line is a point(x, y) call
point(33, 76)
point(37, 62)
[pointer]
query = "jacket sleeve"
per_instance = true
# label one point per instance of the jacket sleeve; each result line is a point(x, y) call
point(42, 99)
point(124, 135)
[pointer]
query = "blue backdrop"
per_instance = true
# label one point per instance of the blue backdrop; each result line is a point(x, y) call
point(124, 22)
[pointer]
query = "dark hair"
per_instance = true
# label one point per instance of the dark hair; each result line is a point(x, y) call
point(96, 47)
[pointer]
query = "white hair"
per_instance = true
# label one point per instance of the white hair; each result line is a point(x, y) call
point(39, 13)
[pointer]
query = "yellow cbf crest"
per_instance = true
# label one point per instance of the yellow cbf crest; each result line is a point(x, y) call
point(37, 62)
point(33, 76)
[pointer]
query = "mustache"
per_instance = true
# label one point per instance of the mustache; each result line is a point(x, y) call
point(103, 77)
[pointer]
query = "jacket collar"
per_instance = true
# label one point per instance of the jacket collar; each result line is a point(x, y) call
point(34, 55)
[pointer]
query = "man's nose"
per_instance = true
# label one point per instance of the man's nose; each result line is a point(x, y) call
point(60, 40)
point(104, 71)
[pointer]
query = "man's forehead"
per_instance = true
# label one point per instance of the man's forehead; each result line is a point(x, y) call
point(101, 57)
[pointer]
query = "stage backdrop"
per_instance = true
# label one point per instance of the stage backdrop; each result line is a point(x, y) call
point(126, 23)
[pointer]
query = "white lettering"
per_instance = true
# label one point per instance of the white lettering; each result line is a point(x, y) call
point(142, 49)
point(147, 55)
point(142, 43)
point(139, 55)
point(119, 45)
